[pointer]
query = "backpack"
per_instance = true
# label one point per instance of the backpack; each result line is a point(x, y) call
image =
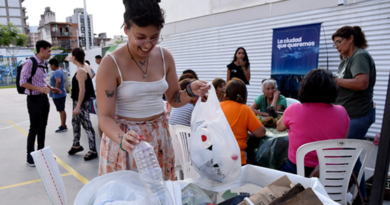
point(33, 71)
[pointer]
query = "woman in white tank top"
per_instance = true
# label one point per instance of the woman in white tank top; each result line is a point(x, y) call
point(130, 84)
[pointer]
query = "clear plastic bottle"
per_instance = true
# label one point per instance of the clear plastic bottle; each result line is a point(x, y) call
point(150, 171)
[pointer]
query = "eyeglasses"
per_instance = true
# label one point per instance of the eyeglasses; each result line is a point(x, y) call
point(153, 41)
point(337, 43)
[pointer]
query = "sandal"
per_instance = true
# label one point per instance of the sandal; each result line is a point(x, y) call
point(73, 150)
point(90, 155)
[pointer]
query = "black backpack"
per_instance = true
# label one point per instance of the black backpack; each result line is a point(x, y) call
point(33, 71)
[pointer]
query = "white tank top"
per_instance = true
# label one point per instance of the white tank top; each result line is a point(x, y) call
point(140, 99)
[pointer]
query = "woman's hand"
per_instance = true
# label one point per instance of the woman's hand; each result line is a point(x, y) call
point(242, 63)
point(76, 111)
point(276, 94)
point(200, 87)
point(130, 139)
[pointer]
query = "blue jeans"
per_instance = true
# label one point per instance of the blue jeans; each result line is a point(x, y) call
point(357, 130)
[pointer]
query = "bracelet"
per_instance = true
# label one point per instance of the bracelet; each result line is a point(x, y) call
point(120, 145)
point(189, 91)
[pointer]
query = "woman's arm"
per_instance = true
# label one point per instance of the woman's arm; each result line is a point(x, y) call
point(255, 109)
point(275, 99)
point(280, 124)
point(359, 83)
point(259, 132)
point(247, 73)
point(106, 90)
point(228, 75)
point(176, 97)
point(89, 70)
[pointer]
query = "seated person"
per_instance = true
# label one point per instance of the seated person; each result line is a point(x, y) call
point(270, 97)
point(191, 72)
point(182, 115)
point(315, 119)
point(239, 115)
point(219, 85)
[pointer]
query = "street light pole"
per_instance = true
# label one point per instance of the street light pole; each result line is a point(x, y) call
point(86, 27)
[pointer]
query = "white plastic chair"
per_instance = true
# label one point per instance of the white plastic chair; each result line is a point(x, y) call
point(183, 134)
point(291, 101)
point(176, 148)
point(336, 165)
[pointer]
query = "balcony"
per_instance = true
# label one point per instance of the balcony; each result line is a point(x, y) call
point(61, 34)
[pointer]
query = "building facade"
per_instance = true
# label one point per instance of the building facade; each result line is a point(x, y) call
point(101, 40)
point(12, 11)
point(60, 34)
point(78, 18)
point(33, 36)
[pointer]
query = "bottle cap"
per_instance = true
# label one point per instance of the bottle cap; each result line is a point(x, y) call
point(141, 138)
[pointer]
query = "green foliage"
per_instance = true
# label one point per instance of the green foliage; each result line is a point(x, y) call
point(61, 58)
point(118, 41)
point(11, 35)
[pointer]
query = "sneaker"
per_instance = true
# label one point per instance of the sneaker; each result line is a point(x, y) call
point(61, 129)
point(90, 155)
point(73, 151)
point(30, 161)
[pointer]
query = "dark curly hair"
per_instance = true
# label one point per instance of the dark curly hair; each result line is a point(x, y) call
point(143, 13)
point(235, 90)
point(348, 31)
point(318, 86)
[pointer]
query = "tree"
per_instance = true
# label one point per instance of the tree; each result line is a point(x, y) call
point(12, 38)
point(61, 58)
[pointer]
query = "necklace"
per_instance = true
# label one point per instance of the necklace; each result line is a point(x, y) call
point(147, 62)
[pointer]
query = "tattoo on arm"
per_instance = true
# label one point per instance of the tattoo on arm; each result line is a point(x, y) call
point(176, 97)
point(119, 136)
point(110, 94)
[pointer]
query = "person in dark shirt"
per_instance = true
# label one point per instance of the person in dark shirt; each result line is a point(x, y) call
point(82, 91)
point(239, 67)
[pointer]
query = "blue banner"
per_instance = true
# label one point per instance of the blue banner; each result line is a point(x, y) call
point(295, 52)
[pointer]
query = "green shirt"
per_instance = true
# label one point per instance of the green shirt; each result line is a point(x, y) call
point(263, 106)
point(357, 103)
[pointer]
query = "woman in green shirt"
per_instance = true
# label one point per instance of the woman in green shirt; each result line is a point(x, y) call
point(356, 77)
point(270, 97)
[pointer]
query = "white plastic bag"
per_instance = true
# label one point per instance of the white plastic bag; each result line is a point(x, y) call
point(214, 149)
point(127, 189)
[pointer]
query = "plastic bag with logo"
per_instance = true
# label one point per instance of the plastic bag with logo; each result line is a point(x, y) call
point(214, 149)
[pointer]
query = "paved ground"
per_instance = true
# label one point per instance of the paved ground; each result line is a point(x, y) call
point(19, 183)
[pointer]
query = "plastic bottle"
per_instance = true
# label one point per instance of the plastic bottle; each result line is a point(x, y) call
point(376, 140)
point(150, 171)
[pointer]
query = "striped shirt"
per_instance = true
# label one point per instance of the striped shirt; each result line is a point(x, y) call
point(181, 115)
point(39, 79)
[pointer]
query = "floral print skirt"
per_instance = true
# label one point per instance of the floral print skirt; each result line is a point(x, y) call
point(156, 132)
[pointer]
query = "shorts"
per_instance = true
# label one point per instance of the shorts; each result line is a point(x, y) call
point(60, 103)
